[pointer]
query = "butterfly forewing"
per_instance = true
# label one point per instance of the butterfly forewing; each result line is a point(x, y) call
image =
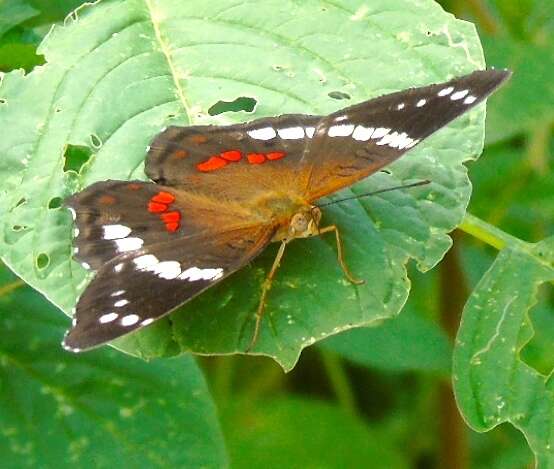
point(353, 143)
point(136, 288)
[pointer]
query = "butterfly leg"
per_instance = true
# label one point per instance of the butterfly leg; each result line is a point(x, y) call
point(340, 254)
point(265, 289)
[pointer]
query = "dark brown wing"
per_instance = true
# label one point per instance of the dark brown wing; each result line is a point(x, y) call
point(146, 266)
point(353, 143)
point(237, 162)
point(311, 156)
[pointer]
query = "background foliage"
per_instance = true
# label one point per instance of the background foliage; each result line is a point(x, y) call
point(363, 397)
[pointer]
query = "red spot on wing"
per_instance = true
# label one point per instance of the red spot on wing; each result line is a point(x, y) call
point(231, 155)
point(275, 155)
point(160, 203)
point(215, 162)
point(163, 198)
point(155, 207)
point(172, 227)
point(169, 217)
point(256, 158)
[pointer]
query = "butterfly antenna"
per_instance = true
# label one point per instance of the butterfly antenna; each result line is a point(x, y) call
point(380, 191)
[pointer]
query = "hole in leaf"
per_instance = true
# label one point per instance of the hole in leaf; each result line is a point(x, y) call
point(242, 103)
point(538, 352)
point(19, 227)
point(95, 141)
point(339, 95)
point(42, 261)
point(3, 101)
point(56, 202)
point(75, 157)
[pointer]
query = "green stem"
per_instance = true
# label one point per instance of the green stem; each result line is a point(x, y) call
point(488, 233)
point(339, 381)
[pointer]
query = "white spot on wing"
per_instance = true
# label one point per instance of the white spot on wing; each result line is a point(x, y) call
point(85, 265)
point(108, 317)
point(128, 244)
point(116, 231)
point(343, 130)
point(129, 320)
point(421, 103)
point(387, 139)
point(446, 91)
point(459, 95)
point(73, 214)
point(400, 106)
point(120, 303)
point(291, 133)
point(362, 133)
point(470, 100)
point(147, 321)
point(310, 131)
point(145, 262)
point(192, 274)
point(118, 267)
point(403, 141)
point(265, 133)
point(118, 292)
point(76, 232)
point(380, 132)
point(167, 269)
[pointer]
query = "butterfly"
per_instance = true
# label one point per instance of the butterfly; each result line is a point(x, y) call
point(220, 194)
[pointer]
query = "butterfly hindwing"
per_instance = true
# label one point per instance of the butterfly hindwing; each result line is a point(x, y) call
point(136, 288)
point(114, 217)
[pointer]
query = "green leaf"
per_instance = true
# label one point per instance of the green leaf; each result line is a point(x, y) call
point(492, 384)
point(14, 12)
point(122, 70)
point(300, 433)
point(407, 342)
point(60, 410)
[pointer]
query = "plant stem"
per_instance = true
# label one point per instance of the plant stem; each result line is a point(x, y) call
point(339, 381)
point(488, 233)
point(454, 450)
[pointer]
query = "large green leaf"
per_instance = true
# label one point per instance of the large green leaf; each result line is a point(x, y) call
point(405, 343)
point(492, 384)
point(122, 70)
point(58, 410)
point(14, 12)
point(301, 433)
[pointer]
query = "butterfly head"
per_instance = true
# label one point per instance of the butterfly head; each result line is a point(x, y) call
point(304, 223)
